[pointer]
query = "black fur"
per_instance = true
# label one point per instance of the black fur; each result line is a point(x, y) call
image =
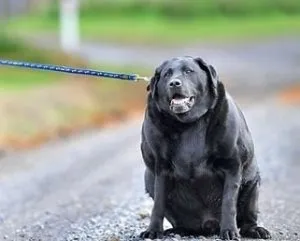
point(201, 169)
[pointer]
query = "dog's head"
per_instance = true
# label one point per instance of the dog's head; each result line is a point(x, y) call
point(185, 87)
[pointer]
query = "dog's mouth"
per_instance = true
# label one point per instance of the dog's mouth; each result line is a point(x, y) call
point(181, 104)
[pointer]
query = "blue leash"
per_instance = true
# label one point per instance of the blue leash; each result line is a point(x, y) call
point(66, 69)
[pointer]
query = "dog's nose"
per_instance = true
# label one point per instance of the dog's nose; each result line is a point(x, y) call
point(175, 83)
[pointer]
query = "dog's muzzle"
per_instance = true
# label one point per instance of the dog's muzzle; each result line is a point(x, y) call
point(180, 103)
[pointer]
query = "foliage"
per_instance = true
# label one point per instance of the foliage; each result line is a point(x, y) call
point(187, 9)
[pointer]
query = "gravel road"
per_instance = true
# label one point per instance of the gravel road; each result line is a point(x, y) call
point(90, 186)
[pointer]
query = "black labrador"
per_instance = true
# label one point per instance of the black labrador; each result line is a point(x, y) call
point(201, 169)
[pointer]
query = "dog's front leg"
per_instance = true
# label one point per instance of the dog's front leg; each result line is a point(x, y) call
point(155, 229)
point(232, 183)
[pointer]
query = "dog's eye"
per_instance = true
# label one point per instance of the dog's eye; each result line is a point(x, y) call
point(167, 74)
point(188, 71)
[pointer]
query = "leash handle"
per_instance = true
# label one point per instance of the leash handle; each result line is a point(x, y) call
point(71, 70)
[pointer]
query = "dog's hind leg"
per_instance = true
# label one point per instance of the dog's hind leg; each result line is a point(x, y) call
point(248, 212)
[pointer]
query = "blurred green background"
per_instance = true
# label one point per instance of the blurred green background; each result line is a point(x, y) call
point(143, 21)
point(36, 106)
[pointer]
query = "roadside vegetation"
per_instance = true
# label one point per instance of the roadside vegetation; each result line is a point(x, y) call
point(36, 106)
point(172, 22)
point(15, 49)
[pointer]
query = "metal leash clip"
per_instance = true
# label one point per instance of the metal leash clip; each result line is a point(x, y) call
point(142, 78)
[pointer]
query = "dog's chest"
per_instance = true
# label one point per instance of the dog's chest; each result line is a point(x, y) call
point(189, 156)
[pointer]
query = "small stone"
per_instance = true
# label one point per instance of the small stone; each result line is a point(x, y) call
point(93, 221)
point(177, 236)
point(144, 214)
point(40, 226)
point(5, 237)
point(281, 233)
point(296, 234)
point(114, 239)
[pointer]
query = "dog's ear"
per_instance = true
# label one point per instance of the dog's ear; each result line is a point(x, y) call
point(211, 73)
point(148, 87)
point(153, 82)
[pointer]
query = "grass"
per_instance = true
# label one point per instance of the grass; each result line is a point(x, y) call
point(32, 116)
point(36, 106)
point(155, 30)
point(12, 79)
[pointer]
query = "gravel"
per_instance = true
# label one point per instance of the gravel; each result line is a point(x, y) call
point(121, 212)
point(275, 138)
point(124, 222)
point(100, 195)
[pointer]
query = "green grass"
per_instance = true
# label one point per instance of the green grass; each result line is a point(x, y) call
point(187, 9)
point(151, 29)
point(155, 30)
point(37, 105)
point(45, 105)
point(16, 79)
point(12, 78)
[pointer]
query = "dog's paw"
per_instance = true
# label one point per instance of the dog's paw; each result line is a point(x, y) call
point(151, 234)
point(229, 234)
point(255, 232)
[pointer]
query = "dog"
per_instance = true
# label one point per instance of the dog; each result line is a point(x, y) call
point(201, 169)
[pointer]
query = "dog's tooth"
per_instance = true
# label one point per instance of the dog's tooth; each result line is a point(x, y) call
point(179, 101)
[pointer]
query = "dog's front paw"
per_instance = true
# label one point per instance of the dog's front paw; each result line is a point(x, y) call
point(152, 234)
point(229, 234)
point(255, 232)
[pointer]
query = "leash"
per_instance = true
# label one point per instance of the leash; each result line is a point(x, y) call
point(71, 70)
